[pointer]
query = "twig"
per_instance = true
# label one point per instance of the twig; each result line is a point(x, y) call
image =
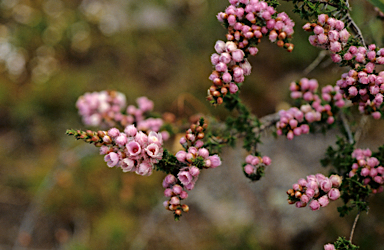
point(347, 128)
point(354, 226)
point(362, 126)
point(316, 62)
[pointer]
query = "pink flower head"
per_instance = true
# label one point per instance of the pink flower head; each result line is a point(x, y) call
point(266, 160)
point(194, 171)
point(344, 35)
point(323, 201)
point(169, 180)
point(329, 246)
point(215, 161)
point(121, 140)
point(154, 151)
point(112, 159)
point(127, 165)
point(233, 88)
point(220, 46)
point(336, 180)
point(185, 177)
point(314, 205)
point(144, 104)
point(249, 169)
point(326, 185)
point(113, 132)
point(141, 138)
point(334, 194)
point(203, 152)
point(144, 169)
point(133, 148)
point(238, 55)
point(177, 189)
point(130, 130)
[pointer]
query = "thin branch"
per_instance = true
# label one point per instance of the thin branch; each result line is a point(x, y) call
point(316, 62)
point(347, 128)
point(354, 226)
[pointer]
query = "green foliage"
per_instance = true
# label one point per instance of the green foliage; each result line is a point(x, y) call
point(354, 195)
point(309, 9)
point(343, 244)
point(168, 164)
point(340, 158)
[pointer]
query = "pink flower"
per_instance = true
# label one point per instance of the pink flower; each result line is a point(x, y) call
point(127, 165)
point(133, 148)
point(326, 185)
point(144, 169)
point(130, 130)
point(323, 201)
point(233, 88)
point(238, 55)
point(266, 160)
point(113, 132)
point(112, 159)
point(141, 138)
point(334, 194)
point(181, 156)
point(154, 151)
point(336, 181)
point(203, 152)
point(215, 161)
point(169, 180)
point(177, 189)
point(249, 169)
point(144, 104)
point(329, 246)
point(185, 177)
point(314, 205)
point(194, 171)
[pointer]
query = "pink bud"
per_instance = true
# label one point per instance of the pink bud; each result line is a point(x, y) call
point(249, 169)
point(323, 201)
point(314, 205)
point(334, 194)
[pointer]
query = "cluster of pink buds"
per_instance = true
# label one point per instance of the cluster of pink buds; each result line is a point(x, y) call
point(105, 109)
point(294, 121)
point(192, 159)
point(368, 169)
point(364, 88)
point(363, 56)
point(329, 34)
point(254, 166)
point(317, 190)
point(247, 22)
point(102, 108)
point(132, 150)
point(175, 193)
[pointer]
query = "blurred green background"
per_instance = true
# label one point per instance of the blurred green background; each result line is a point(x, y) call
point(56, 193)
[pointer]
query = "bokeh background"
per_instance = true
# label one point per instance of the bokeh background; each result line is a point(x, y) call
point(57, 193)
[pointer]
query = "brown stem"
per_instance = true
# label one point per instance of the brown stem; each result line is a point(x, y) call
point(354, 226)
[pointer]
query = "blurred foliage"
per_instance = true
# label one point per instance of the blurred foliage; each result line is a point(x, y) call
point(52, 51)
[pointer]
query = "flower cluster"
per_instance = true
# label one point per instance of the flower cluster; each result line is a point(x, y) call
point(361, 84)
point(247, 22)
point(105, 109)
point(317, 190)
point(254, 166)
point(102, 108)
point(315, 108)
point(329, 34)
point(368, 169)
point(192, 159)
point(364, 88)
point(132, 150)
